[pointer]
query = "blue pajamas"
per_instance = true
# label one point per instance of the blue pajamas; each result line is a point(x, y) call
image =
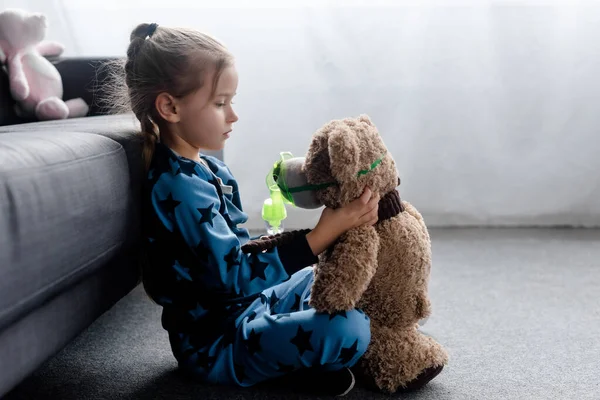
point(277, 334)
point(232, 317)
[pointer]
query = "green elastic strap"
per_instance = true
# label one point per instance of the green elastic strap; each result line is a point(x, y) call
point(287, 192)
point(373, 166)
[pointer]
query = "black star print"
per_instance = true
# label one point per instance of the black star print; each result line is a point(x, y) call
point(239, 372)
point(273, 299)
point(341, 313)
point(207, 215)
point(187, 168)
point(279, 316)
point(169, 204)
point(253, 342)
point(204, 360)
point(296, 306)
point(348, 353)
point(251, 316)
point(285, 368)
point(302, 340)
point(258, 270)
point(363, 313)
point(196, 312)
point(232, 258)
point(263, 298)
point(174, 165)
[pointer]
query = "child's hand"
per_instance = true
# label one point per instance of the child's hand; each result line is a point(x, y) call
point(333, 223)
point(362, 211)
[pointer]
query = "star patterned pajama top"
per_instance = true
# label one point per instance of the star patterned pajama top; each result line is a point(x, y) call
point(232, 318)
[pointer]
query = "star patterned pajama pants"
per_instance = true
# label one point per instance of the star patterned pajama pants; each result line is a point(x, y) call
point(277, 334)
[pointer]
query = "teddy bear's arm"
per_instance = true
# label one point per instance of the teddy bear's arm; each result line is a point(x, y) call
point(18, 82)
point(48, 48)
point(344, 272)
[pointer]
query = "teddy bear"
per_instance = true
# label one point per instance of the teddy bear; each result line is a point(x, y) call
point(35, 83)
point(382, 269)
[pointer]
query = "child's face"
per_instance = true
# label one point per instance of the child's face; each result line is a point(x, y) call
point(207, 122)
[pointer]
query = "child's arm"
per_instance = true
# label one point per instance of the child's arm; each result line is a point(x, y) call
point(191, 205)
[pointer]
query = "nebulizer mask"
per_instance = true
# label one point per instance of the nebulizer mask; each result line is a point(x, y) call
point(287, 184)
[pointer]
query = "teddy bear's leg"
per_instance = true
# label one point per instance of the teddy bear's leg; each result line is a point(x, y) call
point(410, 209)
point(401, 359)
point(51, 108)
point(400, 356)
point(344, 273)
point(77, 108)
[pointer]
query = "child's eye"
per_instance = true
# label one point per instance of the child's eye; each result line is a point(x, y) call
point(220, 104)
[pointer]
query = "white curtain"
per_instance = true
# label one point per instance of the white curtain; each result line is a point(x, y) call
point(490, 108)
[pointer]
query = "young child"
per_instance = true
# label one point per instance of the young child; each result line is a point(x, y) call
point(232, 318)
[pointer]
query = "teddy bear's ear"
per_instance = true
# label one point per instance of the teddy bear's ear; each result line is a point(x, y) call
point(344, 153)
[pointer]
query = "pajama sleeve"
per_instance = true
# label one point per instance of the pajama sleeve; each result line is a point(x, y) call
point(192, 206)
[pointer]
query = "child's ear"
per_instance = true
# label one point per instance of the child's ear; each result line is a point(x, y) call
point(167, 107)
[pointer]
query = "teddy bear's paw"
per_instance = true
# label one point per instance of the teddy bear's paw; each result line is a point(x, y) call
point(330, 300)
point(52, 108)
point(402, 359)
point(77, 108)
point(422, 379)
point(19, 89)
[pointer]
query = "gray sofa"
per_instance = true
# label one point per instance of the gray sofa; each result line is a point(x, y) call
point(69, 223)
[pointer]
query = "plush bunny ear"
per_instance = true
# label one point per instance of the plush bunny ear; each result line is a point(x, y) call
point(344, 153)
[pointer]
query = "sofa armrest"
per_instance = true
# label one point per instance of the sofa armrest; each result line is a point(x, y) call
point(82, 77)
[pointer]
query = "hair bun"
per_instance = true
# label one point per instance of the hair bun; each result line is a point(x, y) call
point(142, 31)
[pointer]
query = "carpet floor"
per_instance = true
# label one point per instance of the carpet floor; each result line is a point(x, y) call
point(517, 309)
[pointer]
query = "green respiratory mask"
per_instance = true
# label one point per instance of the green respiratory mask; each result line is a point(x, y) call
point(287, 184)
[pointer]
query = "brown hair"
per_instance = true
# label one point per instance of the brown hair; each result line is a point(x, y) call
point(162, 59)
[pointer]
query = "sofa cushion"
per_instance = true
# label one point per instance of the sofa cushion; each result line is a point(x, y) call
point(122, 128)
point(65, 207)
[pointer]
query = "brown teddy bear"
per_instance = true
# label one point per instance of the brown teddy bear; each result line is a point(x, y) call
point(381, 269)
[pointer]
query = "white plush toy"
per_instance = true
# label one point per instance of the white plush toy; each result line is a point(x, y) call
point(35, 83)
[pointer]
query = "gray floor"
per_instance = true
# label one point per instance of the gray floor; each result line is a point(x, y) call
point(518, 310)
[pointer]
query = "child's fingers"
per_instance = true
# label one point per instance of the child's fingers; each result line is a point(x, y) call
point(362, 200)
point(374, 202)
point(372, 205)
point(369, 218)
point(369, 222)
point(365, 196)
